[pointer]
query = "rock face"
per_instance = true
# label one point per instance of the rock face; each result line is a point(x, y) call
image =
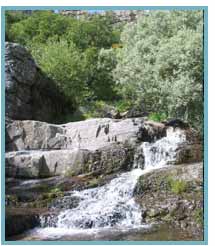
point(41, 164)
point(18, 221)
point(38, 149)
point(45, 162)
point(29, 93)
point(89, 134)
point(173, 194)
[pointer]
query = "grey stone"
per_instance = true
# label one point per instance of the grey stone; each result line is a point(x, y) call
point(29, 93)
point(164, 204)
point(89, 134)
point(39, 164)
point(18, 221)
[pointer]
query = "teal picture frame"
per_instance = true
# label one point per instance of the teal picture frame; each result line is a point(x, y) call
point(205, 241)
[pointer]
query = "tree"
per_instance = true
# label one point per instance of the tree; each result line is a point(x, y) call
point(97, 31)
point(161, 63)
point(12, 17)
point(39, 27)
point(63, 63)
point(57, 41)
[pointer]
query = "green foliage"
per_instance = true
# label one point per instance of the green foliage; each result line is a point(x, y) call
point(177, 186)
point(102, 82)
point(55, 192)
point(96, 109)
point(72, 52)
point(199, 217)
point(161, 62)
point(93, 182)
point(39, 27)
point(158, 60)
point(123, 105)
point(157, 117)
point(12, 17)
point(97, 32)
point(63, 63)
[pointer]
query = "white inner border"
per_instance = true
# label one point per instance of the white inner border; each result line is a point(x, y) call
point(211, 70)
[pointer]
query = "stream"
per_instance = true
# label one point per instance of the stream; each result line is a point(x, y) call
point(110, 212)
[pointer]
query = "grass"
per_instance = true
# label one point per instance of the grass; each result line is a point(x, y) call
point(177, 186)
point(199, 218)
point(158, 117)
point(93, 183)
point(123, 105)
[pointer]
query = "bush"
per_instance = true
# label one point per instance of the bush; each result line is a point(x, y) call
point(95, 32)
point(39, 27)
point(161, 62)
point(199, 216)
point(76, 54)
point(12, 17)
point(177, 186)
point(159, 117)
point(63, 63)
point(123, 105)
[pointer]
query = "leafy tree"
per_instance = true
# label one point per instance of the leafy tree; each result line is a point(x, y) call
point(104, 85)
point(96, 32)
point(12, 17)
point(63, 63)
point(39, 27)
point(161, 62)
point(80, 39)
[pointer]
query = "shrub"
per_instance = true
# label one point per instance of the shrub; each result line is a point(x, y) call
point(55, 192)
point(63, 63)
point(199, 217)
point(12, 17)
point(177, 186)
point(123, 105)
point(157, 117)
point(161, 62)
point(39, 27)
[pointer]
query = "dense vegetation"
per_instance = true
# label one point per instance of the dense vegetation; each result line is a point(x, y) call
point(156, 62)
point(161, 63)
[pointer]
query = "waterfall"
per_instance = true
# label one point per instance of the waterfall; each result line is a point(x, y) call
point(107, 206)
point(112, 205)
point(164, 150)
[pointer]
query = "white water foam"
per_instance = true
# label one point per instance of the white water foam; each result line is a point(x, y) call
point(163, 151)
point(113, 205)
point(104, 207)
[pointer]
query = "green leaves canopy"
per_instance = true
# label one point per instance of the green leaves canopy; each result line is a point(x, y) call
point(162, 63)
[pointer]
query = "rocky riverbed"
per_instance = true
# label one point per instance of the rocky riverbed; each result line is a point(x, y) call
point(57, 171)
point(97, 179)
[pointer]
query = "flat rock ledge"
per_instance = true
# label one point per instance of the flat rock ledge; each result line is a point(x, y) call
point(38, 150)
point(173, 195)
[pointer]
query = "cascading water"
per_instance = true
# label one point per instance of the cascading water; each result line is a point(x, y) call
point(113, 205)
point(163, 151)
point(106, 206)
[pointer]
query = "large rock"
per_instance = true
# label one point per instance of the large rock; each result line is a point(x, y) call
point(19, 220)
point(89, 134)
point(41, 164)
point(177, 147)
point(34, 135)
point(29, 93)
point(38, 149)
point(173, 194)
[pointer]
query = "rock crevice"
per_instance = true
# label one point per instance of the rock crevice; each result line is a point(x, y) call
point(30, 94)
